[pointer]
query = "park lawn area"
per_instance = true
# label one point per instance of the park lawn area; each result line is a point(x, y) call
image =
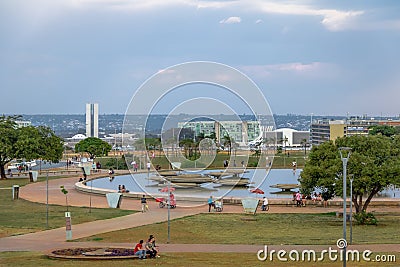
point(281, 160)
point(20, 216)
point(266, 228)
point(22, 259)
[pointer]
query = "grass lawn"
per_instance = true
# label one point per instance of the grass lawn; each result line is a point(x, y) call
point(281, 160)
point(21, 216)
point(22, 259)
point(273, 229)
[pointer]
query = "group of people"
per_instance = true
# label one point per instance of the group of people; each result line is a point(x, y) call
point(316, 197)
point(147, 250)
point(298, 197)
point(122, 189)
point(218, 204)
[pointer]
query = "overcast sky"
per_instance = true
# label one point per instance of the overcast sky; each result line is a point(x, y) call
point(321, 57)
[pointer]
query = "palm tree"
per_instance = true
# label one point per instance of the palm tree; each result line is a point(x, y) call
point(304, 143)
point(284, 141)
point(227, 141)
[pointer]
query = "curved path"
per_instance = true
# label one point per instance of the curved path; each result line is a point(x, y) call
point(55, 238)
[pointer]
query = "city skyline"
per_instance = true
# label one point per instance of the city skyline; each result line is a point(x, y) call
point(307, 57)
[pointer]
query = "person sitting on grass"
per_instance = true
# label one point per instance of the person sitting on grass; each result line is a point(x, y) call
point(140, 250)
point(150, 249)
point(264, 205)
point(155, 247)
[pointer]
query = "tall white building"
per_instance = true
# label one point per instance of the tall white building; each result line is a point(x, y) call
point(92, 120)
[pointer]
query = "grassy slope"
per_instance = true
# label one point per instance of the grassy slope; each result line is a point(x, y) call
point(21, 216)
point(267, 228)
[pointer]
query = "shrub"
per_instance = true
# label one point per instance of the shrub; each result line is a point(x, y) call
point(364, 218)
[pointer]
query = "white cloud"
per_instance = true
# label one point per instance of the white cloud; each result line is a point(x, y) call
point(129, 5)
point(231, 20)
point(314, 68)
point(332, 19)
point(338, 20)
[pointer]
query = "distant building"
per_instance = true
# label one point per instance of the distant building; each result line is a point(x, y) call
point(241, 132)
point(92, 120)
point(21, 124)
point(324, 130)
point(286, 137)
point(72, 141)
point(120, 140)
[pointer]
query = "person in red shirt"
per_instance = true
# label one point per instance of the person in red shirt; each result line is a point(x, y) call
point(140, 250)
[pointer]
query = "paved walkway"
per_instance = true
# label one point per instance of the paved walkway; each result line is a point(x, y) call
point(55, 238)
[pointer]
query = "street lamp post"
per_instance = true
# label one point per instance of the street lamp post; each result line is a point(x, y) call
point(345, 159)
point(47, 200)
point(169, 216)
point(351, 210)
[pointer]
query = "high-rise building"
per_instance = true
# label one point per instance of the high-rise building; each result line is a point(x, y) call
point(92, 120)
point(241, 132)
point(324, 130)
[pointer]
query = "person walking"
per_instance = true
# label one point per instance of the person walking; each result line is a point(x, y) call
point(298, 199)
point(134, 165)
point(143, 201)
point(140, 250)
point(148, 165)
point(210, 203)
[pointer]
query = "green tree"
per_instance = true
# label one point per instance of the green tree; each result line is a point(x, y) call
point(8, 139)
point(374, 164)
point(148, 143)
point(26, 143)
point(93, 146)
point(187, 145)
point(227, 142)
point(385, 130)
point(38, 142)
point(153, 144)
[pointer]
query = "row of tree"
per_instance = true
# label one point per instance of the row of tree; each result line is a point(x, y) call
point(374, 164)
point(190, 146)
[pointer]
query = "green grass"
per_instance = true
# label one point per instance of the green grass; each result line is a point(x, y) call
point(22, 259)
point(267, 228)
point(21, 216)
point(281, 161)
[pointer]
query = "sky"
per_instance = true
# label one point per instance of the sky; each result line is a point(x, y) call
point(307, 57)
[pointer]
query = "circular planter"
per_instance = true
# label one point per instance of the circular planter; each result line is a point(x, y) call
point(92, 253)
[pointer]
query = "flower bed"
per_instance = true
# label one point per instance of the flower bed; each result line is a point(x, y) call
point(92, 253)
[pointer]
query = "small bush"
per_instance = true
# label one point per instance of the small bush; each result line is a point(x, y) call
point(364, 218)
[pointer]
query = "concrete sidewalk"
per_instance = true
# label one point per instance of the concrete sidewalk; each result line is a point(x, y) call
point(56, 238)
